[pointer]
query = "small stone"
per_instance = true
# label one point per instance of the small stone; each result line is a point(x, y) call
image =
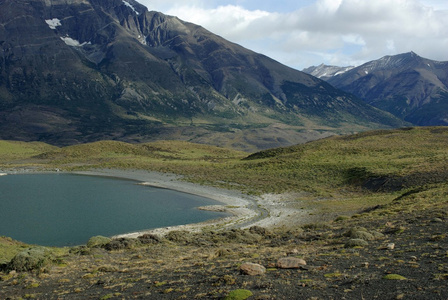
point(290, 263)
point(390, 246)
point(414, 258)
point(252, 269)
point(364, 265)
point(293, 252)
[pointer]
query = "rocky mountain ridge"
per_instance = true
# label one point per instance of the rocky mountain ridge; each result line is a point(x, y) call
point(407, 85)
point(83, 70)
point(325, 72)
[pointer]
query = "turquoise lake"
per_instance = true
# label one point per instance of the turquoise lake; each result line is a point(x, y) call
point(68, 209)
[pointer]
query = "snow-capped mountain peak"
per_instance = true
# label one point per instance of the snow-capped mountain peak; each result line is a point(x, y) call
point(324, 71)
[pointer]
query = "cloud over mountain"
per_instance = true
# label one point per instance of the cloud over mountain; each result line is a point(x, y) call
point(338, 32)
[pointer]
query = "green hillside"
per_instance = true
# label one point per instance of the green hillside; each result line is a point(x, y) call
point(367, 212)
point(362, 166)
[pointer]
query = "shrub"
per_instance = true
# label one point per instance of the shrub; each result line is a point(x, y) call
point(394, 277)
point(356, 243)
point(239, 294)
point(364, 235)
point(31, 259)
point(98, 241)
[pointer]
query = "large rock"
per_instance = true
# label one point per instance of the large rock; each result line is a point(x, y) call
point(290, 263)
point(252, 269)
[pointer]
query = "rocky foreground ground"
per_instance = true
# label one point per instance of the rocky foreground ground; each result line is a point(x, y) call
point(395, 251)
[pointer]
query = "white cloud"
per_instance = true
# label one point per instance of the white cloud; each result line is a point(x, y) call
point(339, 32)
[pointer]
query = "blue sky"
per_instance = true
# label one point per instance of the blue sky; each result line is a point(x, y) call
point(301, 33)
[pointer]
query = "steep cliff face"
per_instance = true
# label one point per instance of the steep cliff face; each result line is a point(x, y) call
point(80, 70)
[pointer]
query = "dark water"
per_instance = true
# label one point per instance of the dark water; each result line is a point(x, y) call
point(67, 209)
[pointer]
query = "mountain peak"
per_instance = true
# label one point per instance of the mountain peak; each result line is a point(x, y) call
point(325, 72)
point(407, 85)
point(82, 70)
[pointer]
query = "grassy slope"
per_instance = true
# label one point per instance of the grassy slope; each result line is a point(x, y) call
point(393, 182)
point(341, 175)
point(13, 150)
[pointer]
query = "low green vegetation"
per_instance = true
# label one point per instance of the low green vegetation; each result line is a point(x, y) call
point(370, 176)
point(9, 248)
point(13, 150)
point(394, 277)
point(345, 173)
point(239, 294)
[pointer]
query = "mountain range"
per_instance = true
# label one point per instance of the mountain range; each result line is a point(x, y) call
point(75, 71)
point(411, 87)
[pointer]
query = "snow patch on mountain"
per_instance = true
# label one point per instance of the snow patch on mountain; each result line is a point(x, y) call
point(73, 43)
point(130, 6)
point(142, 40)
point(53, 23)
point(391, 62)
point(324, 71)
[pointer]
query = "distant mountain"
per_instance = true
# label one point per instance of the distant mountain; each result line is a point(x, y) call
point(82, 70)
point(325, 72)
point(411, 87)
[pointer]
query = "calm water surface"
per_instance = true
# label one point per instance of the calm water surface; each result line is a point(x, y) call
point(67, 209)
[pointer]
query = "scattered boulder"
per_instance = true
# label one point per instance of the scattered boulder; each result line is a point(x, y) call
point(98, 241)
point(390, 246)
point(356, 243)
point(252, 269)
point(290, 263)
point(31, 259)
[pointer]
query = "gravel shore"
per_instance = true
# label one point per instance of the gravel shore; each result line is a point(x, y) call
point(267, 210)
point(245, 210)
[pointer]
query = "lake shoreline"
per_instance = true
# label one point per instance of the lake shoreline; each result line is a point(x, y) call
point(243, 209)
point(266, 210)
